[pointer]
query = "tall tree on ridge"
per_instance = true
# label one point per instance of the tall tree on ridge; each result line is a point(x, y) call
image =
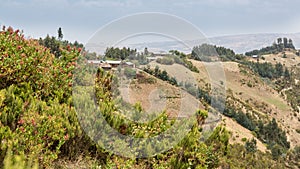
point(285, 42)
point(279, 40)
point(60, 34)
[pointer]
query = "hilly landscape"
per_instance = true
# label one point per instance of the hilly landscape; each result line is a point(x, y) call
point(239, 43)
point(47, 122)
point(252, 93)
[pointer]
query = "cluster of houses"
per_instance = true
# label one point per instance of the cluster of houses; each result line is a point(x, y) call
point(111, 64)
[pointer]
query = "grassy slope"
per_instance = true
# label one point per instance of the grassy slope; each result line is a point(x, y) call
point(238, 132)
point(285, 116)
point(264, 100)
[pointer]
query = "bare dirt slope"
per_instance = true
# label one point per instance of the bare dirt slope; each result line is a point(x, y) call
point(159, 96)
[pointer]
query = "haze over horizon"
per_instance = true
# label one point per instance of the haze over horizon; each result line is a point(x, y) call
point(80, 19)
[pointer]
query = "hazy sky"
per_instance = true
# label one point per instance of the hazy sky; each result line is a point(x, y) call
point(79, 19)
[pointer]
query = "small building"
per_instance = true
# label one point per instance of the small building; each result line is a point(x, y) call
point(114, 63)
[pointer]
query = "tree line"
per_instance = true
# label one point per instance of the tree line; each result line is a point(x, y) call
point(163, 75)
point(278, 46)
point(205, 51)
point(267, 70)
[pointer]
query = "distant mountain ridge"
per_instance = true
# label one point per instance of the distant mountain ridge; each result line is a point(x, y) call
point(239, 43)
point(248, 42)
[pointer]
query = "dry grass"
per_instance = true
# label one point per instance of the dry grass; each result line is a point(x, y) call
point(261, 94)
point(261, 97)
point(290, 61)
point(181, 73)
point(160, 96)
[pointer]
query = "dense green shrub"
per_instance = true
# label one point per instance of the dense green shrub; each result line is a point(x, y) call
point(251, 145)
point(267, 70)
point(36, 117)
point(35, 127)
point(26, 61)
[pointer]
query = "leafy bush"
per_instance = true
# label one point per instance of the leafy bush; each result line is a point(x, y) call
point(130, 72)
point(277, 151)
point(36, 116)
point(26, 61)
point(165, 61)
point(35, 127)
point(251, 145)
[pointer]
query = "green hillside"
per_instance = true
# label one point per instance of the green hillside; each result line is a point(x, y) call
point(39, 127)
